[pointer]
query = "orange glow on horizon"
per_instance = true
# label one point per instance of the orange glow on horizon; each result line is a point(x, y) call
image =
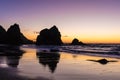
point(83, 39)
point(103, 38)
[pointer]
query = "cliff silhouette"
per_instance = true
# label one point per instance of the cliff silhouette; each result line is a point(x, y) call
point(50, 36)
point(13, 36)
point(2, 35)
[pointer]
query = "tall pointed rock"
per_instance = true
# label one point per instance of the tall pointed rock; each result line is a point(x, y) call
point(15, 37)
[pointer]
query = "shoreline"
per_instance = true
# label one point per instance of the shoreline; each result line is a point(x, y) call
point(96, 55)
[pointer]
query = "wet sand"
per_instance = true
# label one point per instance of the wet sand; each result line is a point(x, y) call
point(12, 74)
point(66, 66)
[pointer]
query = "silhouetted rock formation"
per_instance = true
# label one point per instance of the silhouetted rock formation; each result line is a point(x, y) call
point(103, 61)
point(2, 35)
point(76, 42)
point(14, 36)
point(50, 36)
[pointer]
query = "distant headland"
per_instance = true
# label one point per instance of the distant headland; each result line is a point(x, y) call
point(14, 36)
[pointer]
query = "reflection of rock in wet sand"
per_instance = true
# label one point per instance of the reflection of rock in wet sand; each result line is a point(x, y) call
point(8, 50)
point(13, 61)
point(49, 59)
point(12, 55)
point(103, 61)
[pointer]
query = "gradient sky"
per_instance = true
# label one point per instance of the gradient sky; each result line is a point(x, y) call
point(91, 21)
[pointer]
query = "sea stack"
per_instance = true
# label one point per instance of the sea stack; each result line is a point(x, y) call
point(50, 36)
point(76, 42)
point(15, 37)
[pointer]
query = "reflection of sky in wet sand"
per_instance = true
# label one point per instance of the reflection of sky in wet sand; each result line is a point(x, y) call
point(69, 67)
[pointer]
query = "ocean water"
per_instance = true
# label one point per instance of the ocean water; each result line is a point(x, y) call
point(31, 62)
point(111, 50)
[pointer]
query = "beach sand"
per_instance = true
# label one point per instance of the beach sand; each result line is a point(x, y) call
point(67, 66)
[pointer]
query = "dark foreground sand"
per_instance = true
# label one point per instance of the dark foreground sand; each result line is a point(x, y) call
point(11, 74)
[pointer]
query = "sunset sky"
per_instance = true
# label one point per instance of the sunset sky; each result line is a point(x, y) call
point(91, 21)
